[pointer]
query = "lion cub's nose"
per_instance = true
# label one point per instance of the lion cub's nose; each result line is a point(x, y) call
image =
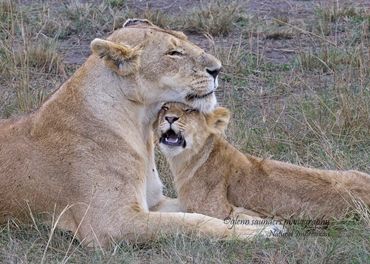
point(171, 119)
point(214, 72)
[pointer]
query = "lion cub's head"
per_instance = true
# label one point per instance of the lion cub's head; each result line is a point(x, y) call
point(180, 127)
point(162, 65)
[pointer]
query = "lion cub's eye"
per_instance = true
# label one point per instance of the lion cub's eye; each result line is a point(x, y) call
point(175, 53)
point(164, 108)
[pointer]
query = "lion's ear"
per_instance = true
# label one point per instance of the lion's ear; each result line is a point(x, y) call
point(218, 119)
point(119, 57)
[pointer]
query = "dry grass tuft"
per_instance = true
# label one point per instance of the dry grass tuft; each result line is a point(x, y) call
point(216, 18)
point(158, 18)
point(165, 174)
point(329, 59)
point(231, 57)
point(333, 20)
point(83, 17)
point(41, 55)
point(25, 57)
point(116, 3)
point(335, 13)
point(6, 7)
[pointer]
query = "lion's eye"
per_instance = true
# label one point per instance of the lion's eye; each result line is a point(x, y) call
point(190, 110)
point(164, 108)
point(175, 53)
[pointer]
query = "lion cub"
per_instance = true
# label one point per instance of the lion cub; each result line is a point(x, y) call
point(213, 178)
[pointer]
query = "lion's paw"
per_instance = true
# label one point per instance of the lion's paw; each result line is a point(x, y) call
point(247, 227)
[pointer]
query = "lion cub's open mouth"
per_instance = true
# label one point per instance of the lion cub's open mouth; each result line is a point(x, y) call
point(171, 138)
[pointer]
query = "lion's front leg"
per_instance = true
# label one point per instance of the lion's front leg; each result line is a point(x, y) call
point(198, 224)
point(100, 227)
point(145, 226)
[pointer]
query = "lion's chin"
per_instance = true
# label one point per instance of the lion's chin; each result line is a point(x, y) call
point(205, 104)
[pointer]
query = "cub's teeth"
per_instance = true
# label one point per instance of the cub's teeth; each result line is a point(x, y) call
point(172, 140)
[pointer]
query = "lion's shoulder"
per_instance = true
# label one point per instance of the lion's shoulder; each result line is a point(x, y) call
point(14, 125)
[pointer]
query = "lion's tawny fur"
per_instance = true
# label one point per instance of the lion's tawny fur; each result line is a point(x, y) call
point(86, 157)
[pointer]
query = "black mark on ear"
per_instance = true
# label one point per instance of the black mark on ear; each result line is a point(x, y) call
point(137, 21)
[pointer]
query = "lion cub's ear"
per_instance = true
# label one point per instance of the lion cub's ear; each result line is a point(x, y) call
point(120, 58)
point(218, 120)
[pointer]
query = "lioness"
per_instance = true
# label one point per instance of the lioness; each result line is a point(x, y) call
point(86, 157)
point(213, 178)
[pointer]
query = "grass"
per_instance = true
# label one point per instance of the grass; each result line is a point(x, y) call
point(345, 241)
point(216, 18)
point(41, 55)
point(330, 59)
point(308, 105)
point(24, 57)
point(158, 17)
point(335, 13)
point(333, 19)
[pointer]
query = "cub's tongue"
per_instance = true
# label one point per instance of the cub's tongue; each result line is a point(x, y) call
point(171, 138)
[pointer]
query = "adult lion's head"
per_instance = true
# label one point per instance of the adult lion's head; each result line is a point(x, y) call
point(162, 64)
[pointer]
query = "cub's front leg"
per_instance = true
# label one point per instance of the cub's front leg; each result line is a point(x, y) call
point(215, 203)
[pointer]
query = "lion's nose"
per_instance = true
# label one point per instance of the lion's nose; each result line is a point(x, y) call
point(171, 119)
point(214, 72)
